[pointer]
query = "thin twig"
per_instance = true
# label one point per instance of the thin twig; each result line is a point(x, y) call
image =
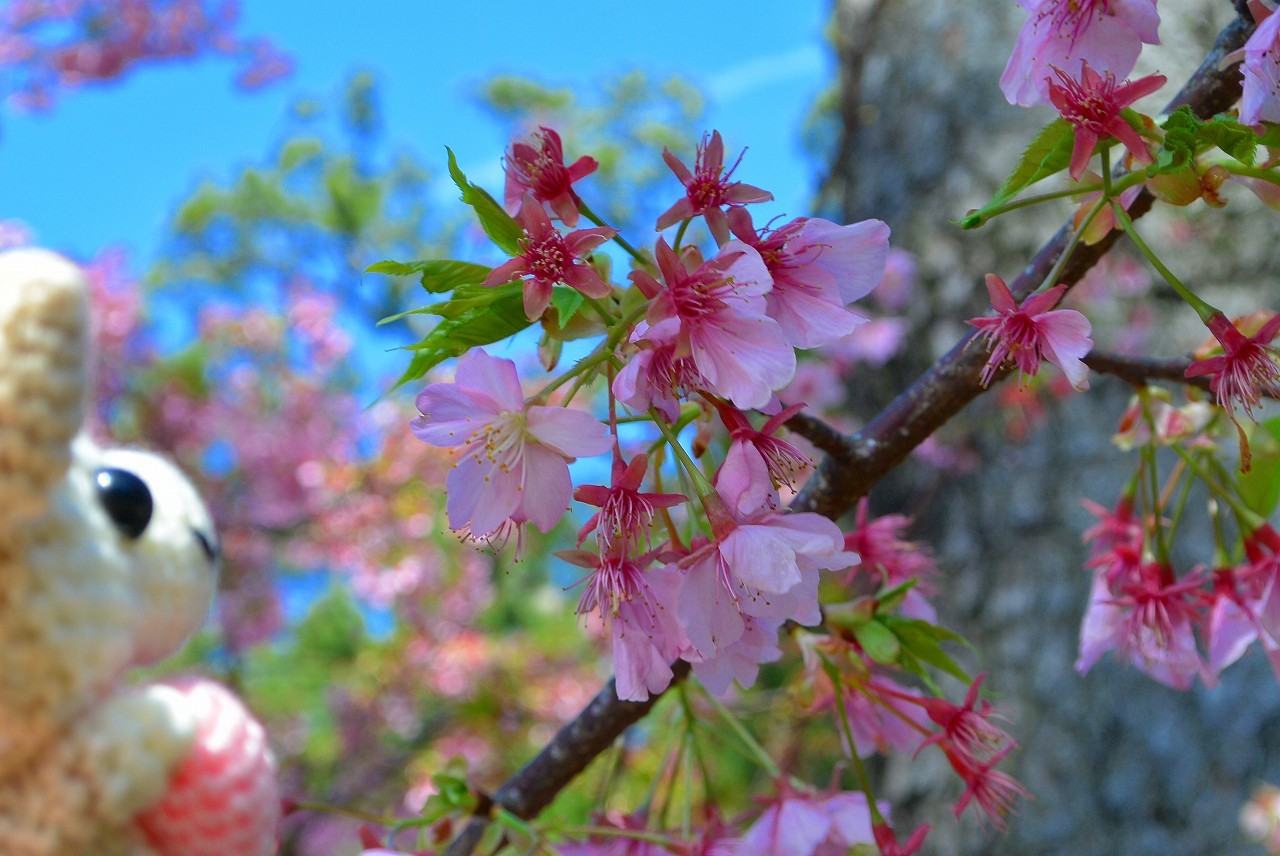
point(1138, 371)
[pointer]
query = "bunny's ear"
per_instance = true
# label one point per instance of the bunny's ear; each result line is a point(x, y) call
point(43, 344)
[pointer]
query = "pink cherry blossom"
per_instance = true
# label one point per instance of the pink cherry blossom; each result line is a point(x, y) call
point(1247, 369)
point(806, 824)
point(1149, 617)
point(715, 313)
point(1024, 334)
point(1261, 69)
point(537, 166)
point(1246, 605)
point(48, 46)
point(708, 188)
point(1109, 34)
point(549, 259)
point(890, 560)
point(1233, 622)
point(817, 267)
point(897, 289)
point(657, 375)
point(638, 607)
point(764, 565)
point(1092, 104)
point(625, 513)
point(1118, 528)
point(740, 660)
point(513, 461)
point(758, 463)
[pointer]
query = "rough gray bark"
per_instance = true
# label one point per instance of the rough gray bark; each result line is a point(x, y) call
point(1118, 763)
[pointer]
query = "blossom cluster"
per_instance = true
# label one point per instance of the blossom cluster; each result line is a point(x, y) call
point(47, 46)
point(708, 564)
point(1174, 625)
point(691, 552)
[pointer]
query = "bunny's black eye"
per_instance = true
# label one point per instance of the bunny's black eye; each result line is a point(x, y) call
point(127, 500)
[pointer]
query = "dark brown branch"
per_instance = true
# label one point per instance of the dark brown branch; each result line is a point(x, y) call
point(851, 468)
point(575, 746)
point(952, 382)
point(822, 435)
point(1139, 371)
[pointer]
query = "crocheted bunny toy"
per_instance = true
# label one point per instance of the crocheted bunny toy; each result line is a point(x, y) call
point(107, 561)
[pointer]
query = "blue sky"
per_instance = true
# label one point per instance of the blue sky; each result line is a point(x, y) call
point(107, 165)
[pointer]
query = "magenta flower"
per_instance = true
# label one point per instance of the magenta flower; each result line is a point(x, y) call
point(887, 840)
point(550, 258)
point(1092, 105)
point(716, 315)
point(969, 729)
point(1261, 70)
point(1025, 334)
point(1108, 34)
point(708, 188)
point(758, 463)
point(514, 461)
point(625, 513)
point(817, 267)
point(1246, 370)
point(994, 792)
point(537, 167)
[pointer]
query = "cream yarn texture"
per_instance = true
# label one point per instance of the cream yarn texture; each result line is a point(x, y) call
point(81, 754)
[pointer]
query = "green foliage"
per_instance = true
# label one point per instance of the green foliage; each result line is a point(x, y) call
point(472, 317)
point(437, 275)
point(1260, 487)
point(323, 202)
point(879, 642)
point(1048, 154)
point(921, 644)
point(567, 302)
point(292, 681)
point(501, 228)
point(1187, 136)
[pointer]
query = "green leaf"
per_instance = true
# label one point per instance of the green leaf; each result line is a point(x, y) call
point(473, 317)
point(1181, 140)
point(891, 598)
point(567, 301)
point(501, 228)
point(879, 642)
point(189, 367)
point(444, 275)
point(922, 640)
point(1186, 135)
point(299, 150)
point(391, 268)
point(1235, 139)
point(1260, 487)
point(1048, 153)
